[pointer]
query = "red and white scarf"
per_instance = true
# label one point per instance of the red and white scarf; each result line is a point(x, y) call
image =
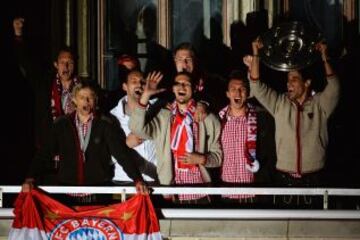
point(57, 92)
point(251, 134)
point(182, 134)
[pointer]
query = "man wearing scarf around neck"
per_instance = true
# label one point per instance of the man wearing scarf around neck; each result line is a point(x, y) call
point(84, 143)
point(63, 83)
point(184, 147)
point(238, 138)
point(55, 100)
point(55, 94)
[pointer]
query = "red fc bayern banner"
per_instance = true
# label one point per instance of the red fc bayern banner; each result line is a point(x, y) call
point(39, 217)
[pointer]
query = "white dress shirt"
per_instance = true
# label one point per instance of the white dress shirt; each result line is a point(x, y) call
point(145, 149)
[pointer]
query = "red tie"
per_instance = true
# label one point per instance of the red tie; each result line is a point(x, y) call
point(80, 166)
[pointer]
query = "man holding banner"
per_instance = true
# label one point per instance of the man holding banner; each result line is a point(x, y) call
point(85, 143)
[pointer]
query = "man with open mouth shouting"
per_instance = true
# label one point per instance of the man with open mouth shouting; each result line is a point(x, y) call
point(143, 151)
point(238, 137)
point(184, 147)
point(301, 118)
point(84, 142)
point(58, 101)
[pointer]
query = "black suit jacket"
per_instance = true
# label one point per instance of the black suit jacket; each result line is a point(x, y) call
point(105, 141)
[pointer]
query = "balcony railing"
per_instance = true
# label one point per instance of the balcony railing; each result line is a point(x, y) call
point(185, 213)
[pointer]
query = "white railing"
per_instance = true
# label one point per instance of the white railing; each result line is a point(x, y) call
point(218, 213)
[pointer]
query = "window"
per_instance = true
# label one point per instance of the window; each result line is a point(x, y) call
point(129, 26)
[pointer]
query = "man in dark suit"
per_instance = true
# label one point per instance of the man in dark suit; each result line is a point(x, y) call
point(85, 143)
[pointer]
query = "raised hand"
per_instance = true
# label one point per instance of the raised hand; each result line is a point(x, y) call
point(247, 61)
point(322, 48)
point(150, 88)
point(152, 81)
point(256, 45)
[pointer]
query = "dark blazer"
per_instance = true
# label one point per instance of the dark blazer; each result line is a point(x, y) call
point(105, 141)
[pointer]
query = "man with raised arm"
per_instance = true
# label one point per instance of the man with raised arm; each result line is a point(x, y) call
point(301, 119)
point(184, 147)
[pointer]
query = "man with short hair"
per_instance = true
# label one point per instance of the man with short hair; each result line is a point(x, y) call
point(300, 118)
point(209, 88)
point(141, 150)
point(238, 137)
point(84, 142)
point(184, 147)
point(63, 83)
point(184, 58)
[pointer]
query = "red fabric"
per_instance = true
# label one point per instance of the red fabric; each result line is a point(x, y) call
point(56, 93)
point(80, 167)
point(83, 128)
point(182, 136)
point(81, 155)
point(190, 177)
point(185, 173)
point(37, 212)
point(251, 135)
point(56, 109)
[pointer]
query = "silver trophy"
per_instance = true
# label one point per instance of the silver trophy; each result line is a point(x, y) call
point(289, 46)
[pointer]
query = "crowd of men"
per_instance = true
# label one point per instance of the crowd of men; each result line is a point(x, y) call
point(183, 132)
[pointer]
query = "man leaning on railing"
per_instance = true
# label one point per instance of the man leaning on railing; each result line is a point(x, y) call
point(85, 142)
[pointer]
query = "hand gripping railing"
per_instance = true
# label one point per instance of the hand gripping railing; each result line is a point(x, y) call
point(219, 213)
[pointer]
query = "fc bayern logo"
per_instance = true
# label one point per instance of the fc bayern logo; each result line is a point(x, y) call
point(86, 228)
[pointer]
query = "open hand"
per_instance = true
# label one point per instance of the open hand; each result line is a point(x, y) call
point(247, 61)
point(152, 81)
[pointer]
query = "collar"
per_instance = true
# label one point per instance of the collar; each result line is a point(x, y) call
point(77, 119)
point(296, 103)
point(190, 107)
point(119, 109)
point(225, 112)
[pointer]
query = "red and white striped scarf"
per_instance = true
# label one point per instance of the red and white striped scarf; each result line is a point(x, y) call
point(251, 135)
point(57, 92)
point(182, 134)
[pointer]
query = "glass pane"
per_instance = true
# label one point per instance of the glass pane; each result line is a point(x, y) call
point(194, 20)
point(129, 24)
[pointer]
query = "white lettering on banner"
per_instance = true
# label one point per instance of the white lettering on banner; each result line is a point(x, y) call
point(85, 223)
point(75, 224)
point(102, 228)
